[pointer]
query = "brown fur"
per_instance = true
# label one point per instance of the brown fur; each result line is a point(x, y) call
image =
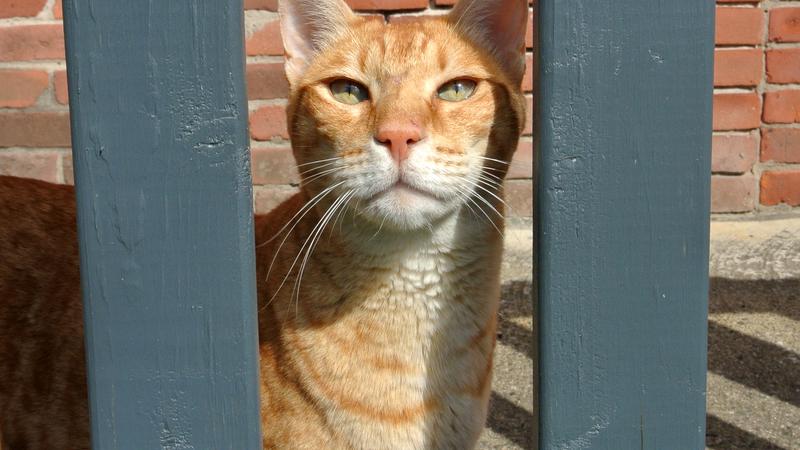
point(387, 340)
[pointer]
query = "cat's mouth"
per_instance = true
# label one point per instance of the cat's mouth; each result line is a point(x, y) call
point(405, 190)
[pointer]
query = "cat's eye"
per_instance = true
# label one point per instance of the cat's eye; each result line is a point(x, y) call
point(457, 90)
point(348, 91)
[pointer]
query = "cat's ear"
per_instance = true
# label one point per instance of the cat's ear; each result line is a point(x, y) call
point(499, 26)
point(307, 26)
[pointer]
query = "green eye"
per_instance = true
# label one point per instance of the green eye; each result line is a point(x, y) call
point(348, 92)
point(457, 90)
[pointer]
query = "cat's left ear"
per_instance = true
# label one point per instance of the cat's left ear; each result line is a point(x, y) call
point(307, 27)
point(499, 26)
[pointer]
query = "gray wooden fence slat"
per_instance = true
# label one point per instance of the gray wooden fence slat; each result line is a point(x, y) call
point(160, 148)
point(623, 217)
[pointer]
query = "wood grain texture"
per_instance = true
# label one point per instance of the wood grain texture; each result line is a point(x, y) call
point(623, 210)
point(163, 184)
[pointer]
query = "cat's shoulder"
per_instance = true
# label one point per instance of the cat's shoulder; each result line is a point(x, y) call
point(31, 193)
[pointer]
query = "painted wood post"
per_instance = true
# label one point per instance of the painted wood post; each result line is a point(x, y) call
point(623, 219)
point(160, 148)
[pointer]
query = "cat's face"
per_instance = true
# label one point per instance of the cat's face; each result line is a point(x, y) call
point(406, 122)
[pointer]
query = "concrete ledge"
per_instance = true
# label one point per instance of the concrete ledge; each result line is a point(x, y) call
point(766, 249)
point(755, 250)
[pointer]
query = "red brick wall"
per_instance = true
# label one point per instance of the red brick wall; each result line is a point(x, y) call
point(756, 147)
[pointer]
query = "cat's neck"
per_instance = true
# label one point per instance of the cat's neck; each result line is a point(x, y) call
point(456, 233)
point(419, 264)
point(360, 264)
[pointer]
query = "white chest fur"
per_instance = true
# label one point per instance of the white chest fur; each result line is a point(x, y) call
point(424, 317)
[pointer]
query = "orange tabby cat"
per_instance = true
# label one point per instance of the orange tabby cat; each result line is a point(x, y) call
point(378, 282)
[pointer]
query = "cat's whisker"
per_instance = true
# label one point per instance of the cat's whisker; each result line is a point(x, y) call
point(294, 262)
point(495, 183)
point(340, 214)
point(385, 216)
point(468, 201)
point(499, 180)
point(472, 199)
point(322, 166)
point(480, 197)
point(499, 161)
point(465, 198)
point(479, 186)
point(321, 174)
point(323, 223)
point(482, 186)
point(503, 170)
point(308, 206)
point(319, 161)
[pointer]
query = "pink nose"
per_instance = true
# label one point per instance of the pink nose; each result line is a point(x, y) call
point(399, 138)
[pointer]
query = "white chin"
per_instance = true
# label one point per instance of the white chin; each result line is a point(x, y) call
point(405, 209)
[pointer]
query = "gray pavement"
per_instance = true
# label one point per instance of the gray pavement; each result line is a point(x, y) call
point(754, 340)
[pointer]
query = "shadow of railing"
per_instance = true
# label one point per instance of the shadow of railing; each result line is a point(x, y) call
point(749, 361)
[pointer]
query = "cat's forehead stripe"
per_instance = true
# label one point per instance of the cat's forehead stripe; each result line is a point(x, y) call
point(406, 51)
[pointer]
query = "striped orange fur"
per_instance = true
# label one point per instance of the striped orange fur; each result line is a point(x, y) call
point(378, 283)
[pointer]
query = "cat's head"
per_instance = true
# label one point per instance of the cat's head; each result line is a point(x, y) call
point(408, 122)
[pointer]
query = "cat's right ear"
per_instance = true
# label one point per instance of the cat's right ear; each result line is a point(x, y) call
point(307, 26)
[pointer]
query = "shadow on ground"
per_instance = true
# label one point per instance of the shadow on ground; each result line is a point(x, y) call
point(511, 423)
point(761, 367)
point(753, 342)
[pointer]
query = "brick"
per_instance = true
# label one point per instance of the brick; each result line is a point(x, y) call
point(58, 11)
point(266, 81)
point(739, 26)
point(733, 153)
point(529, 33)
point(737, 67)
point(780, 187)
point(34, 129)
point(780, 145)
point(782, 106)
point(21, 8)
point(527, 79)
point(60, 82)
point(783, 65)
point(39, 165)
point(521, 166)
point(274, 165)
point(732, 194)
point(784, 25)
point(737, 111)
point(387, 5)
point(269, 5)
point(268, 122)
point(21, 88)
point(266, 198)
point(528, 115)
point(266, 40)
point(31, 42)
point(519, 197)
point(66, 167)
point(407, 18)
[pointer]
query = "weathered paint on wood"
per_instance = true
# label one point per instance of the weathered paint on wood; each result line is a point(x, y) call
point(160, 148)
point(623, 211)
